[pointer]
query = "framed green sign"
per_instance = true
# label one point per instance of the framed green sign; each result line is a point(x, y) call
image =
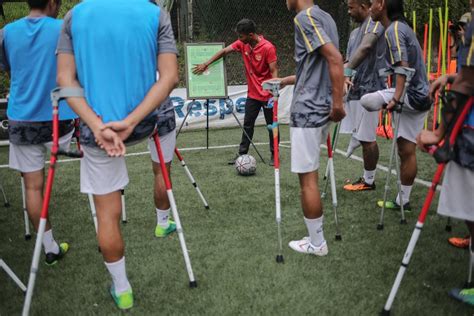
point(212, 84)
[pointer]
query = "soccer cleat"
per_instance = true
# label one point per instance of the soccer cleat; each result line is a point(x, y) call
point(393, 205)
point(304, 246)
point(232, 161)
point(53, 258)
point(463, 295)
point(353, 145)
point(460, 242)
point(359, 185)
point(161, 232)
point(123, 300)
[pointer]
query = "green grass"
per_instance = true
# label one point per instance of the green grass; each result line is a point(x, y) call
point(233, 245)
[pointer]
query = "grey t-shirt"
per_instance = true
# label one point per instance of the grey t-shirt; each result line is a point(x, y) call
point(367, 77)
point(404, 46)
point(166, 44)
point(312, 96)
point(352, 44)
point(466, 52)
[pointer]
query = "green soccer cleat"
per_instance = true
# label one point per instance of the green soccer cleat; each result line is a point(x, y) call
point(124, 300)
point(53, 258)
point(161, 232)
point(392, 205)
point(463, 295)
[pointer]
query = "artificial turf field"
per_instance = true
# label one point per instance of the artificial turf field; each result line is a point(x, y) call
point(233, 245)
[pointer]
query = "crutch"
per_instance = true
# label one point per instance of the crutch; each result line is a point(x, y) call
point(56, 95)
point(25, 212)
point(174, 209)
point(337, 128)
point(408, 73)
point(191, 178)
point(273, 87)
point(332, 177)
point(5, 200)
point(424, 211)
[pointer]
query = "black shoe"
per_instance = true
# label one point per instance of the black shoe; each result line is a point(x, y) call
point(53, 258)
point(272, 161)
point(232, 161)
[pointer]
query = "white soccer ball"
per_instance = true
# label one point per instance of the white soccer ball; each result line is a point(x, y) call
point(246, 165)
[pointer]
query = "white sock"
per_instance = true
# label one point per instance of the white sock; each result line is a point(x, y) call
point(315, 230)
point(369, 176)
point(119, 275)
point(162, 217)
point(406, 191)
point(50, 245)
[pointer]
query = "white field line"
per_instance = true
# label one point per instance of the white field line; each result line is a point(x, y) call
point(282, 144)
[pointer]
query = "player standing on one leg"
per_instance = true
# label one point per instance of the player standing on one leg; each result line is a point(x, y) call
point(167, 132)
point(456, 199)
point(260, 62)
point(368, 57)
point(317, 100)
point(27, 52)
point(116, 65)
point(403, 51)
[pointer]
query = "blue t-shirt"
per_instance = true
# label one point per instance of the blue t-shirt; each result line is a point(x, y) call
point(27, 51)
point(126, 37)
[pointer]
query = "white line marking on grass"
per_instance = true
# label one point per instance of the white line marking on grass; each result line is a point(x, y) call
point(147, 152)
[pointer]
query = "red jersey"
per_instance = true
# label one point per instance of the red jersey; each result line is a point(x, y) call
point(257, 60)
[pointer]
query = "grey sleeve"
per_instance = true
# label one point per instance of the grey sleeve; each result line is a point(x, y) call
point(65, 45)
point(312, 31)
point(166, 41)
point(3, 54)
point(396, 41)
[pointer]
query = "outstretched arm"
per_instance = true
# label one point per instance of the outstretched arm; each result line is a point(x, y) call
point(199, 69)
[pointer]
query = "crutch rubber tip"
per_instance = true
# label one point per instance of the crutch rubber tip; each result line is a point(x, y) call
point(380, 227)
point(468, 285)
point(27, 237)
point(207, 207)
point(7, 204)
point(385, 312)
point(98, 249)
point(338, 237)
point(449, 228)
point(124, 222)
point(193, 284)
point(403, 221)
point(279, 259)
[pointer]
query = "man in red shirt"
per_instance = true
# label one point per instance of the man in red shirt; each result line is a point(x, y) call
point(260, 61)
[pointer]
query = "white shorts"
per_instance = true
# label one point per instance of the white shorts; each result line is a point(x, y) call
point(30, 158)
point(365, 123)
point(411, 122)
point(456, 199)
point(168, 145)
point(306, 147)
point(347, 125)
point(101, 174)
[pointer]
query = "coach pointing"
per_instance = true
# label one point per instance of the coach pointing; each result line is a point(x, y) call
point(260, 62)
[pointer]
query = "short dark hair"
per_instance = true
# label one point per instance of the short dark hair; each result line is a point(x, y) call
point(38, 4)
point(246, 26)
point(366, 2)
point(395, 10)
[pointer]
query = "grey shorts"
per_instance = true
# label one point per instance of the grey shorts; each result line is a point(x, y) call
point(101, 174)
point(31, 158)
point(456, 199)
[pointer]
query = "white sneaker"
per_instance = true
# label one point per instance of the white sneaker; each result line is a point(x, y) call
point(305, 246)
point(353, 145)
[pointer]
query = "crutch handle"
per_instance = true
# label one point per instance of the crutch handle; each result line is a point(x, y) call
point(272, 86)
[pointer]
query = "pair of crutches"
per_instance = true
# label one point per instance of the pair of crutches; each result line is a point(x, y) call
point(408, 73)
point(426, 206)
point(57, 95)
